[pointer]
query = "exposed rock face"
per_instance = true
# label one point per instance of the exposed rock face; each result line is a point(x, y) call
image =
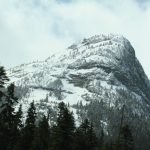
point(115, 57)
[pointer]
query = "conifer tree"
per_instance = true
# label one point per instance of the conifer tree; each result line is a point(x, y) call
point(92, 139)
point(41, 136)
point(126, 139)
point(101, 140)
point(85, 137)
point(18, 129)
point(18, 118)
point(108, 146)
point(3, 77)
point(29, 129)
point(63, 132)
point(7, 119)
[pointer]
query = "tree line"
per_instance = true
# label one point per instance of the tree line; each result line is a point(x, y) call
point(32, 133)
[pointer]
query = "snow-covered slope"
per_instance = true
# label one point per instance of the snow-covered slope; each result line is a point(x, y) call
point(94, 68)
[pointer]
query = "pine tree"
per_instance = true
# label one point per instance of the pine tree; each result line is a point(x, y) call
point(11, 92)
point(7, 119)
point(29, 129)
point(18, 118)
point(3, 77)
point(108, 146)
point(92, 139)
point(85, 137)
point(101, 140)
point(126, 139)
point(41, 136)
point(18, 129)
point(63, 132)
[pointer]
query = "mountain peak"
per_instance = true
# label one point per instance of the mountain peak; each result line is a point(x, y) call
point(117, 45)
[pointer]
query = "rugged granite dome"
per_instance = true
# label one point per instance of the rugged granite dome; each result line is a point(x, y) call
point(96, 68)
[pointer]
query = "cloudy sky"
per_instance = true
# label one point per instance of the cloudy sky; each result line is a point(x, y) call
point(35, 29)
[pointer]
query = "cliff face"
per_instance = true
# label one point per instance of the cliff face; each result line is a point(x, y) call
point(115, 58)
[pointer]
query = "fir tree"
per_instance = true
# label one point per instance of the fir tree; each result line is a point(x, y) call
point(18, 118)
point(63, 132)
point(41, 136)
point(101, 140)
point(3, 77)
point(18, 129)
point(7, 119)
point(126, 139)
point(29, 129)
point(91, 138)
point(85, 137)
point(108, 146)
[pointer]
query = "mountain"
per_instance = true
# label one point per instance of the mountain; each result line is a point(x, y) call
point(98, 77)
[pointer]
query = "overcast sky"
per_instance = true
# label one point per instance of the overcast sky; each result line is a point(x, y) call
point(35, 29)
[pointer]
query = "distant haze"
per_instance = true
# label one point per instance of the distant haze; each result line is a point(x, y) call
point(35, 29)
